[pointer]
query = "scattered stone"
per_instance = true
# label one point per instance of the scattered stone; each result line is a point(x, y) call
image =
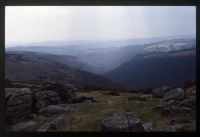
point(175, 109)
point(173, 94)
point(44, 127)
point(189, 101)
point(24, 126)
point(57, 123)
point(122, 121)
point(148, 127)
point(175, 101)
point(82, 98)
point(87, 101)
point(169, 103)
point(160, 92)
point(54, 109)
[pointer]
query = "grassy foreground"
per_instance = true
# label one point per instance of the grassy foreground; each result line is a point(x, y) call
point(89, 115)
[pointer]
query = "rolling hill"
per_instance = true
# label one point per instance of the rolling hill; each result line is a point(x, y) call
point(37, 68)
point(154, 69)
point(72, 61)
point(105, 56)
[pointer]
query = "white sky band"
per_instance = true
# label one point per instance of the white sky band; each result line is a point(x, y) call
point(52, 23)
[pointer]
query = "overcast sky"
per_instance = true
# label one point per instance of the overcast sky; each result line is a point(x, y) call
point(52, 23)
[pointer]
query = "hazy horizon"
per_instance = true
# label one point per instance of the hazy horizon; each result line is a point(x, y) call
point(96, 23)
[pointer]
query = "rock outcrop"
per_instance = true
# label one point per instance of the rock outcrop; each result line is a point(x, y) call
point(148, 127)
point(55, 109)
point(18, 104)
point(27, 126)
point(122, 121)
point(83, 98)
point(175, 101)
point(173, 94)
point(23, 103)
point(160, 92)
point(65, 91)
point(44, 98)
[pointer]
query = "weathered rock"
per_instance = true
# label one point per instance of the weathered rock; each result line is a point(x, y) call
point(189, 101)
point(175, 109)
point(82, 98)
point(45, 127)
point(65, 91)
point(175, 101)
point(160, 92)
point(19, 104)
point(57, 123)
point(122, 121)
point(55, 109)
point(24, 126)
point(7, 95)
point(45, 98)
point(169, 103)
point(173, 94)
point(140, 98)
point(148, 127)
point(87, 101)
point(19, 96)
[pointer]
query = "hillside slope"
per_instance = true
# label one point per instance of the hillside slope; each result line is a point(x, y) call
point(156, 69)
point(38, 69)
point(106, 56)
point(69, 60)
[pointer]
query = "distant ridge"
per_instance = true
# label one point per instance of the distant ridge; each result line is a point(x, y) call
point(156, 69)
point(27, 67)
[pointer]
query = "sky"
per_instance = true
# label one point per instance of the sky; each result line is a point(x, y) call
point(72, 23)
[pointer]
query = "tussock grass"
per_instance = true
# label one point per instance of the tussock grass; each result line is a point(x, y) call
point(88, 116)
